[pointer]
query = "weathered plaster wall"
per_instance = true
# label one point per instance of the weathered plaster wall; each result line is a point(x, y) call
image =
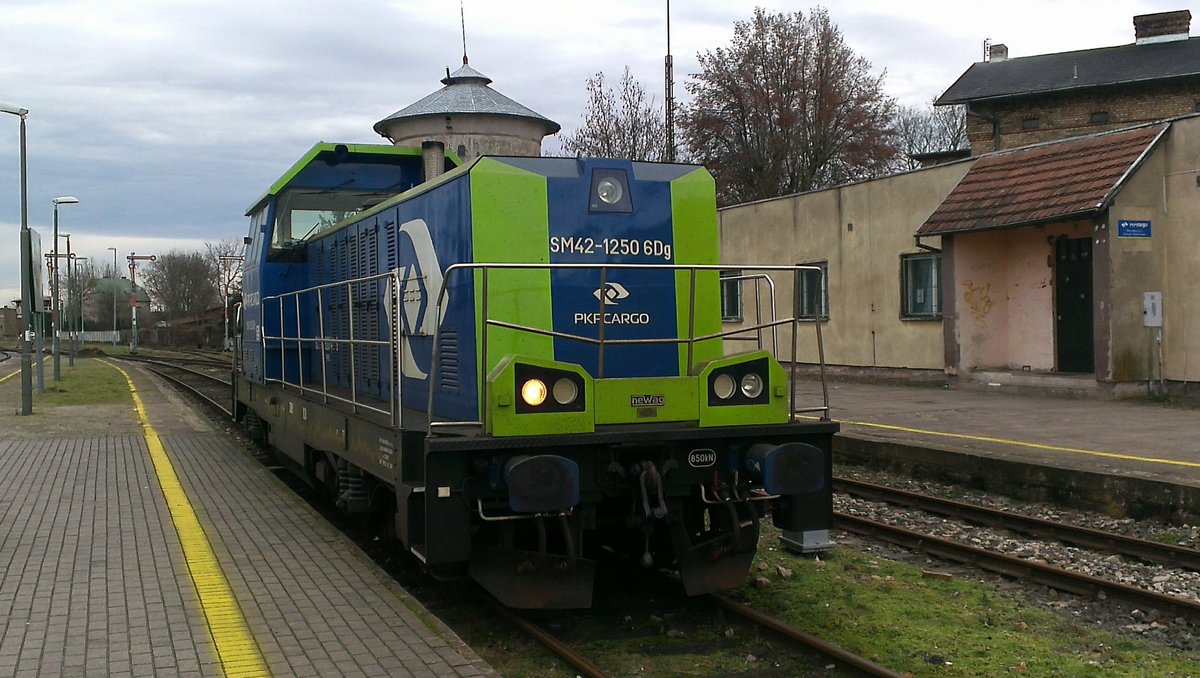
point(861, 230)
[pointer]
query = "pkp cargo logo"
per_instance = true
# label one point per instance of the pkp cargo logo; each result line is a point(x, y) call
point(611, 293)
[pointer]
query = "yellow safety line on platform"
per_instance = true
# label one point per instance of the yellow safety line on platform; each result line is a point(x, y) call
point(1018, 443)
point(235, 646)
point(13, 374)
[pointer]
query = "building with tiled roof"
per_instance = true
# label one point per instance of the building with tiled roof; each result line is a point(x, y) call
point(469, 118)
point(1013, 102)
point(1066, 260)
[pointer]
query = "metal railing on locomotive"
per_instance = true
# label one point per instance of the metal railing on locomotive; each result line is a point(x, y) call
point(393, 341)
point(601, 342)
point(323, 342)
point(758, 337)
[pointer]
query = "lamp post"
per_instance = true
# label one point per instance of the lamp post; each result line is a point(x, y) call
point(54, 312)
point(26, 270)
point(113, 289)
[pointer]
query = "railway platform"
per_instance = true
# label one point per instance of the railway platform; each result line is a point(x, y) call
point(1132, 457)
point(141, 540)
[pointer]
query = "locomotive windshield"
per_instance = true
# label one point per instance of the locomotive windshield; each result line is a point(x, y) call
point(301, 215)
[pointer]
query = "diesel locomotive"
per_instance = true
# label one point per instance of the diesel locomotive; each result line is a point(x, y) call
point(517, 365)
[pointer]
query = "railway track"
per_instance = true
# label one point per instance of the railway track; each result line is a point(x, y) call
point(788, 635)
point(1019, 568)
point(212, 389)
point(1158, 553)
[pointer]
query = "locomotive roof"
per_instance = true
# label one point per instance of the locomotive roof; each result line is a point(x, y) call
point(332, 150)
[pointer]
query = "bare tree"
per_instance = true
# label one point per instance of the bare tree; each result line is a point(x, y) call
point(224, 258)
point(929, 130)
point(787, 107)
point(181, 283)
point(623, 124)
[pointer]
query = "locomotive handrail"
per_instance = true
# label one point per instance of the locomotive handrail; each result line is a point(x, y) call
point(758, 277)
point(392, 342)
point(601, 342)
point(394, 337)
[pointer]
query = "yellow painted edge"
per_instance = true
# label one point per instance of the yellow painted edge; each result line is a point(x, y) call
point(1020, 443)
point(13, 374)
point(234, 644)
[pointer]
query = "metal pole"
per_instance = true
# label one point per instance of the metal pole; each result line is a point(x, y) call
point(113, 290)
point(26, 244)
point(70, 310)
point(133, 305)
point(54, 306)
point(669, 106)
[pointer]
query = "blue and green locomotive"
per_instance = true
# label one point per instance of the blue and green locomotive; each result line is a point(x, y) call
point(519, 363)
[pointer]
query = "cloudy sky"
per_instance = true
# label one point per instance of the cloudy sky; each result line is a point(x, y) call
point(167, 118)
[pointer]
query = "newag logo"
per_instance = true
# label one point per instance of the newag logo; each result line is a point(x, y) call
point(647, 400)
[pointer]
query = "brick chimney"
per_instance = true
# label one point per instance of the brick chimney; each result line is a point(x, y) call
point(1162, 27)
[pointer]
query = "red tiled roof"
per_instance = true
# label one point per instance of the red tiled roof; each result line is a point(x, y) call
point(1069, 178)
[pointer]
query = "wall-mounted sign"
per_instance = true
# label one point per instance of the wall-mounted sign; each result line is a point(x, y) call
point(1133, 229)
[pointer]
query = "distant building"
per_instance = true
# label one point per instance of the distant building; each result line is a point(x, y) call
point(9, 326)
point(1027, 100)
point(470, 119)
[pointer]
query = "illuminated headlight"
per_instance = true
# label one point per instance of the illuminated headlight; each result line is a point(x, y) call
point(609, 191)
point(752, 385)
point(546, 390)
point(533, 392)
point(565, 391)
point(723, 386)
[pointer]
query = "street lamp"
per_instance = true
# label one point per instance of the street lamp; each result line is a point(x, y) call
point(113, 288)
point(54, 313)
point(26, 270)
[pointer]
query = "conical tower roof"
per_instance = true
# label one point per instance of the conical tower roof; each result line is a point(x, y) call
point(466, 92)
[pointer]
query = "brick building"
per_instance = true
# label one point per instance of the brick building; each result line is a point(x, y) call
point(1028, 100)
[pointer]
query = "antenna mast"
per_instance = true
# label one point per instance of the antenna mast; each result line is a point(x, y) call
point(669, 105)
point(462, 15)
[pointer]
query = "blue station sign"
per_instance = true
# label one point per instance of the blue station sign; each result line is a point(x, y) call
point(1133, 229)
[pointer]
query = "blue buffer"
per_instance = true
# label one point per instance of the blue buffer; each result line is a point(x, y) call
point(543, 483)
point(791, 468)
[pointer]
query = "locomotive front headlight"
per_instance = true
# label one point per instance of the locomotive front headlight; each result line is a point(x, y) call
point(533, 392)
point(565, 391)
point(752, 385)
point(724, 386)
point(609, 190)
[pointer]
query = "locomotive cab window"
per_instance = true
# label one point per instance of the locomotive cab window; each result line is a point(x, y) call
point(301, 215)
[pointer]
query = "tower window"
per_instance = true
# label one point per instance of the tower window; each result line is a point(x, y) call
point(1099, 117)
point(1030, 123)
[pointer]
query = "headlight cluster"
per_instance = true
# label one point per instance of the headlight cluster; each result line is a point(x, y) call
point(740, 384)
point(542, 389)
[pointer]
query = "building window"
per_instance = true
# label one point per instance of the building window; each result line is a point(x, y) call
point(920, 285)
point(731, 296)
point(1100, 117)
point(812, 291)
point(1030, 123)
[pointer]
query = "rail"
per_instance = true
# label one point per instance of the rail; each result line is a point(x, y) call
point(324, 342)
point(289, 307)
point(601, 342)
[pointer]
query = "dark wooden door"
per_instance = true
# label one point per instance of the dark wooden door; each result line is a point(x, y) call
point(1073, 305)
